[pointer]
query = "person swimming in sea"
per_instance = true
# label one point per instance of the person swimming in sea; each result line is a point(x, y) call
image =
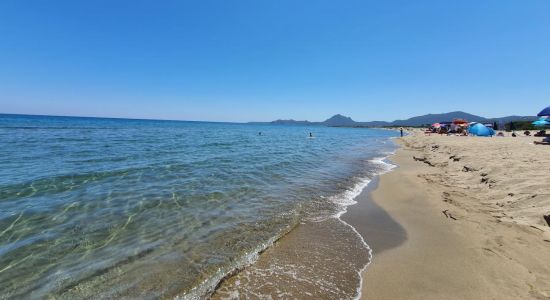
point(310, 134)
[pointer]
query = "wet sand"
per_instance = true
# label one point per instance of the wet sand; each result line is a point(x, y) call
point(378, 228)
point(464, 224)
point(448, 223)
point(315, 260)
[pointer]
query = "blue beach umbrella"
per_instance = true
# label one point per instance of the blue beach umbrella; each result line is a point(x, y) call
point(481, 130)
point(541, 122)
point(544, 112)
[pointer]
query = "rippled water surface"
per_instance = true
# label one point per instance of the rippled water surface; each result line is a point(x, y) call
point(110, 207)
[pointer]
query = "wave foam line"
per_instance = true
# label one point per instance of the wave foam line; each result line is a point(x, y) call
point(208, 286)
point(349, 199)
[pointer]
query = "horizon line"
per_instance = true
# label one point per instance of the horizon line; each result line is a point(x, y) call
point(117, 118)
point(244, 122)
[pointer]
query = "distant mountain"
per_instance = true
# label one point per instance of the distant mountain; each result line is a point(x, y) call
point(449, 117)
point(336, 120)
point(343, 121)
point(513, 118)
point(290, 122)
point(434, 118)
point(339, 120)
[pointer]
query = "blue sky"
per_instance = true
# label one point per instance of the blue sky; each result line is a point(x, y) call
point(261, 60)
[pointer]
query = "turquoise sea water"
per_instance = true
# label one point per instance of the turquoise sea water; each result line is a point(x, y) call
point(114, 207)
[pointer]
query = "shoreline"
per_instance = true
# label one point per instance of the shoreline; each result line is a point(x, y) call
point(372, 222)
point(331, 241)
point(428, 238)
point(435, 236)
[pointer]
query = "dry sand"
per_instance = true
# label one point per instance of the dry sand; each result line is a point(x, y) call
point(465, 221)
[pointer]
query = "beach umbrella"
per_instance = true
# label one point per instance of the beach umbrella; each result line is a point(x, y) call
point(459, 121)
point(436, 125)
point(541, 122)
point(544, 112)
point(481, 130)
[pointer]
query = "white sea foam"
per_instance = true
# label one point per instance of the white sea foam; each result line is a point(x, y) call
point(344, 200)
point(348, 198)
point(208, 286)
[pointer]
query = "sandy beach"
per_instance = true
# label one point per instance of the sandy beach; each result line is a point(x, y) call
point(464, 220)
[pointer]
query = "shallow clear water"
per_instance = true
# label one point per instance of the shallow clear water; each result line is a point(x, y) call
point(112, 207)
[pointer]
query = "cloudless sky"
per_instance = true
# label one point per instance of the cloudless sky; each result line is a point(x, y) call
point(261, 60)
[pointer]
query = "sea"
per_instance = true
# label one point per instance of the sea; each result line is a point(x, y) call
point(122, 208)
